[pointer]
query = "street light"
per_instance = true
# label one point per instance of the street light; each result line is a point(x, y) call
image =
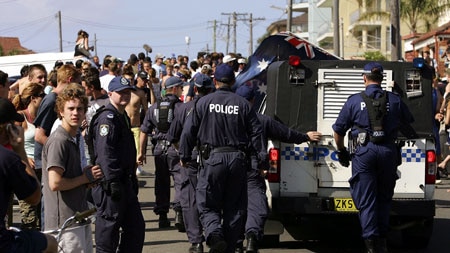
point(188, 41)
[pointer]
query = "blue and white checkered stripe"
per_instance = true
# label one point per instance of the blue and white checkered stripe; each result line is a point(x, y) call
point(296, 153)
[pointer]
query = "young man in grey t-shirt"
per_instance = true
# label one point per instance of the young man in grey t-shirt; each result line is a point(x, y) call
point(63, 178)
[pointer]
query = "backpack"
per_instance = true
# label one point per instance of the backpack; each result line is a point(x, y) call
point(164, 114)
point(89, 134)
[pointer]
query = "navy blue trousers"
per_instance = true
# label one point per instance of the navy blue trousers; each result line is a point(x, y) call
point(113, 215)
point(165, 166)
point(194, 229)
point(374, 172)
point(222, 196)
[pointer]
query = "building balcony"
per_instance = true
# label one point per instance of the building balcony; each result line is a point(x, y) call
point(325, 4)
point(358, 25)
point(325, 31)
point(300, 6)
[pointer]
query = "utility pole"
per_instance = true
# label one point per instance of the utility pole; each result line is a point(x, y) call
point(95, 43)
point(396, 43)
point(336, 24)
point(60, 32)
point(250, 20)
point(214, 34)
point(289, 17)
point(235, 19)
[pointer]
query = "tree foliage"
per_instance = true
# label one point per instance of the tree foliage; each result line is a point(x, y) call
point(415, 13)
point(374, 56)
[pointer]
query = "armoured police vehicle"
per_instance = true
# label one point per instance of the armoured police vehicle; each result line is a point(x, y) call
point(306, 181)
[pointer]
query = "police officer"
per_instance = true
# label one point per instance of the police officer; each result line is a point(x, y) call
point(374, 116)
point(116, 196)
point(223, 125)
point(158, 120)
point(257, 206)
point(203, 85)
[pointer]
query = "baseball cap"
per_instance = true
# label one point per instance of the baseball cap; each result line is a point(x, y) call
point(8, 112)
point(143, 75)
point(158, 56)
point(119, 83)
point(202, 80)
point(173, 81)
point(242, 61)
point(228, 58)
point(371, 67)
point(224, 73)
point(206, 67)
point(246, 92)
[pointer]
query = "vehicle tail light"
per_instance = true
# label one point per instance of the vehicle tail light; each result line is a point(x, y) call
point(273, 175)
point(430, 167)
point(294, 60)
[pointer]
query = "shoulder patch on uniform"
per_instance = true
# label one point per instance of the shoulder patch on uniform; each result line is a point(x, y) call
point(110, 116)
point(104, 130)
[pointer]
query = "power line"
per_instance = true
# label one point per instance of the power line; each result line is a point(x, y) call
point(132, 28)
point(27, 24)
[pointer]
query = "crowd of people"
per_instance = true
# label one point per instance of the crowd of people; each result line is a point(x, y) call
point(76, 136)
point(80, 132)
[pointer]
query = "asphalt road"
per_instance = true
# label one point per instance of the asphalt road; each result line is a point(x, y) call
point(343, 241)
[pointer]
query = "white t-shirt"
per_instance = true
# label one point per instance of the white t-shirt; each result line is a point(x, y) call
point(104, 81)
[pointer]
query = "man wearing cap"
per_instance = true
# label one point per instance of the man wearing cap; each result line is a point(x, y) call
point(16, 176)
point(159, 66)
point(221, 190)
point(374, 117)
point(115, 197)
point(202, 86)
point(158, 120)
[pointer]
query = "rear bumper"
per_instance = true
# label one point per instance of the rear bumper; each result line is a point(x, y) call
point(319, 205)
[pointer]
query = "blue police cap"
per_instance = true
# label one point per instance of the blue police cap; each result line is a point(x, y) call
point(373, 67)
point(246, 91)
point(119, 83)
point(173, 81)
point(202, 80)
point(224, 73)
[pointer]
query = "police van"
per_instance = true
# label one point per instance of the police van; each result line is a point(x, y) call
point(306, 181)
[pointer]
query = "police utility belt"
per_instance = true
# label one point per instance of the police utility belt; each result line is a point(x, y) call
point(363, 137)
point(206, 150)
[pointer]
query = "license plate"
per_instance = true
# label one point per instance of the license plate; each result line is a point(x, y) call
point(344, 205)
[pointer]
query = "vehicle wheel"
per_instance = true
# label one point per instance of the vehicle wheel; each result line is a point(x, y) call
point(418, 236)
point(270, 241)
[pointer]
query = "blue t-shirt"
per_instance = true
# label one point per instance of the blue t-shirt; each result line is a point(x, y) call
point(45, 118)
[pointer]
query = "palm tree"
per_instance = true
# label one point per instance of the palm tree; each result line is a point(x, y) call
point(415, 13)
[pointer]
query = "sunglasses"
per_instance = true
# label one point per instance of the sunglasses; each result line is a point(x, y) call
point(41, 95)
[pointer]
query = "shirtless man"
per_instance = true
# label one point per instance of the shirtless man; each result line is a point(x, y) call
point(138, 106)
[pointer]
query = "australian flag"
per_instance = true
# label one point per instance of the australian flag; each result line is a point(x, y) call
point(276, 48)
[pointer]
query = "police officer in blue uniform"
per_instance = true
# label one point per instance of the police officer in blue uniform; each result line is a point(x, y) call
point(116, 196)
point(374, 117)
point(157, 122)
point(203, 85)
point(257, 206)
point(222, 125)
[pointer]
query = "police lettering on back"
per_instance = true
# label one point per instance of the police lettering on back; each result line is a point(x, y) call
point(225, 109)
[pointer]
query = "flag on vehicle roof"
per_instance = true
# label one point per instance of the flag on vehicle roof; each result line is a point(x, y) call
point(277, 47)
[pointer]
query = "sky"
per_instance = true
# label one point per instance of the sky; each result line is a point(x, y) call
point(123, 27)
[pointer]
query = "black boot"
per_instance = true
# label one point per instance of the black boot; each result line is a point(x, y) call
point(252, 243)
point(217, 244)
point(163, 221)
point(179, 221)
point(196, 248)
point(382, 245)
point(239, 248)
point(370, 246)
